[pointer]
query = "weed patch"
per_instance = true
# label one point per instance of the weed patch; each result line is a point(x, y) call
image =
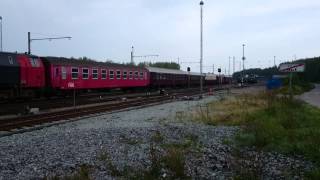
point(167, 160)
point(229, 111)
point(108, 163)
point(81, 174)
point(285, 125)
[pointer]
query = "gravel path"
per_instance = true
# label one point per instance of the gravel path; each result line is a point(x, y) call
point(312, 97)
point(126, 139)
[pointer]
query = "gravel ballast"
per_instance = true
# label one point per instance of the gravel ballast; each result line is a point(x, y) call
point(126, 137)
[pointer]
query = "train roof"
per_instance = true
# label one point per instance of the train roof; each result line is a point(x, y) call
point(76, 62)
point(3, 53)
point(171, 71)
point(195, 74)
point(165, 71)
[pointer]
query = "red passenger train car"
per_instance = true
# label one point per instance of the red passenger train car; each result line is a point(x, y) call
point(28, 75)
point(68, 74)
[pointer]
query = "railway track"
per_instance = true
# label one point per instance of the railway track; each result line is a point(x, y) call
point(32, 120)
point(21, 122)
point(46, 104)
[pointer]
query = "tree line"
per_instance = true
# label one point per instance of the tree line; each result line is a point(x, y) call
point(167, 65)
point(311, 74)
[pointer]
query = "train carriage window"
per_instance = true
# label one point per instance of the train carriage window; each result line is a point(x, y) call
point(130, 75)
point(34, 62)
point(125, 74)
point(141, 75)
point(145, 75)
point(136, 75)
point(111, 74)
point(10, 60)
point(74, 73)
point(103, 74)
point(94, 73)
point(118, 74)
point(63, 72)
point(85, 73)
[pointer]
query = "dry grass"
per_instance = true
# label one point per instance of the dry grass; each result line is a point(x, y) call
point(231, 110)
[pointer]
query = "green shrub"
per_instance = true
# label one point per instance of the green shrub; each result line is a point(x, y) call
point(288, 126)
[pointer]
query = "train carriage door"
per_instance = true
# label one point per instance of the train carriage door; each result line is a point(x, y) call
point(63, 73)
point(23, 71)
point(56, 75)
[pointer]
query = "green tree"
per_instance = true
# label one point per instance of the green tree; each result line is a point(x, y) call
point(167, 65)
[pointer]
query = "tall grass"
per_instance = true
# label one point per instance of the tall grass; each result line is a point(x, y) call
point(271, 122)
point(288, 126)
point(229, 111)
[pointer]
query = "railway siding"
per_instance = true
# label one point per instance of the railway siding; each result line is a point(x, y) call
point(107, 145)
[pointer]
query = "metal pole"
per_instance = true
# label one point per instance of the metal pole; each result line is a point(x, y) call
point(74, 94)
point(234, 64)
point(274, 61)
point(219, 80)
point(213, 68)
point(132, 49)
point(290, 85)
point(229, 66)
point(1, 32)
point(188, 79)
point(243, 58)
point(29, 43)
point(201, 44)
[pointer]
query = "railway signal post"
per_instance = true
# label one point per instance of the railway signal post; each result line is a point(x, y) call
point(243, 59)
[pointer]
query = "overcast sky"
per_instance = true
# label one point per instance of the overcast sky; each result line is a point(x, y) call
point(106, 29)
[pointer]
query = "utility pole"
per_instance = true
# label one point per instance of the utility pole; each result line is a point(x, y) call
point(132, 51)
point(144, 56)
point(213, 68)
point(1, 32)
point(29, 43)
point(41, 39)
point(234, 64)
point(201, 44)
point(229, 66)
point(274, 61)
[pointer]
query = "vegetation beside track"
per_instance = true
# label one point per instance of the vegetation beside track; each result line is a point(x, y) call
point(299, 86)
point(271, 122)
